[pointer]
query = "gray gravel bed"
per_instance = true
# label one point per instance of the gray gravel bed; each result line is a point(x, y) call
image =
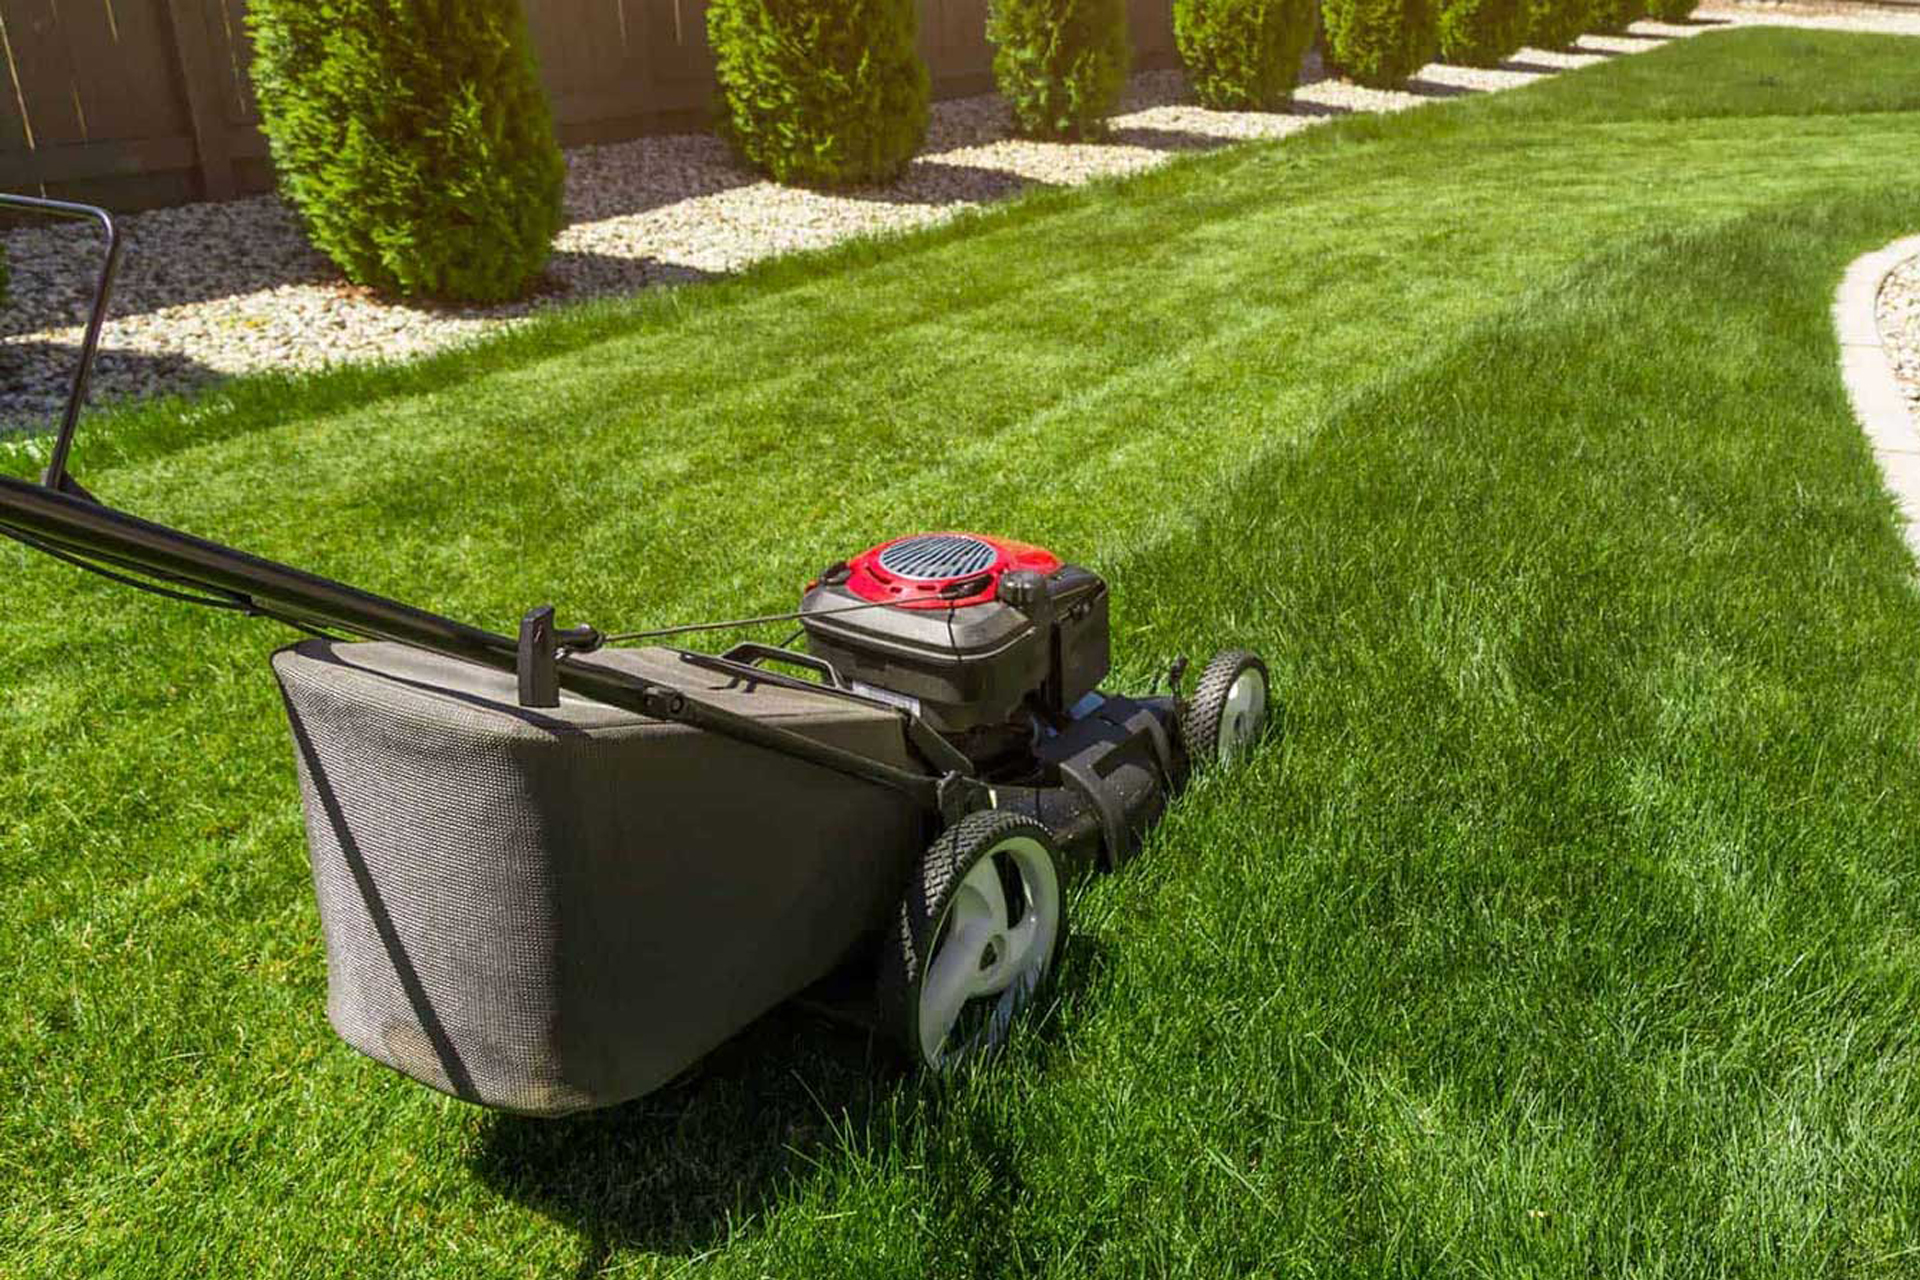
point(1899, 315)
point(212, 290)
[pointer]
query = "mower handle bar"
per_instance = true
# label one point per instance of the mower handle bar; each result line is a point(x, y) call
point(56, 473)
point(60, 515)
point(85, 527)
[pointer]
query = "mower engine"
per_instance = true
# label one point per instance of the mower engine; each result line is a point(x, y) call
point(1000, 648)
point(992, 642)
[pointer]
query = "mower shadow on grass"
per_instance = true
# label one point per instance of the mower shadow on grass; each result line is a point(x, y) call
point(686, 1168)
point(671, 1172)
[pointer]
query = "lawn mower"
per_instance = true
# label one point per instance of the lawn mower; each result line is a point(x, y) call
point(556, 868)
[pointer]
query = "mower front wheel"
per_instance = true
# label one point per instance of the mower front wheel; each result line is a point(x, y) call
point(1229, 708)
point(976, 935)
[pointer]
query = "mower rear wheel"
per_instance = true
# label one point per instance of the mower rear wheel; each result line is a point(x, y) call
point(977, 933)
point(1229, 708)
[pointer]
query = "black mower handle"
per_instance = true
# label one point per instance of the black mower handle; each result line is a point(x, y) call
point(83, 527)
point(56, 476)
point(60, 517)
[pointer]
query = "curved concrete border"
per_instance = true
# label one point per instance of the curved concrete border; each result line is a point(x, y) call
point(1867, 368)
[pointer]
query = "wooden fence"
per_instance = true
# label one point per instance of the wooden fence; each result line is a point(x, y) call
point(146, 102)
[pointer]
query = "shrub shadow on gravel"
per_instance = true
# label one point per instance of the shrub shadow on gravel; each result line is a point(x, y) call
point(1157, 139)
point(940, 182)
point(619, 180)
point(1321, 109)
point(35, 377)
point(1526, 67)
point(193, 253)
point(579, 273)
point(1434, 89)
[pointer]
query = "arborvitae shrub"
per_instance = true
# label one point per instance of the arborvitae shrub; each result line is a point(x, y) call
point(1060, 64)
point(1616, 15)
point(1480, 33)
point(413, 139)
point(1672, 10)
point(1244, 54)
point(1555, 24)
point(1380, 43)
point(828, 93)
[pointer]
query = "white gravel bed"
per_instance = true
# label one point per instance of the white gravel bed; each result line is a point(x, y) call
point(1817, 17)
point(1899, 315)
point(212, 290)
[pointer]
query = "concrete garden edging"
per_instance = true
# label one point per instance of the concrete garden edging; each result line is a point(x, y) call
point(1866, 366)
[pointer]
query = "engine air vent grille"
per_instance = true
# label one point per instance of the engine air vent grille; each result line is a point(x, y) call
point(937, 556)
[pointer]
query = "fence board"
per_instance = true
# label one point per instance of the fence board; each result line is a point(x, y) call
point(168, 78)
point(678, 61)
point(1150, 24)
point(199, 78)
point(81, 161)
point(953, 39)
point(42, 72)
point(232, 52)
point(604, 53)
point(549, 26)
point(13, 125)
point(145, 68)
point(104, 103)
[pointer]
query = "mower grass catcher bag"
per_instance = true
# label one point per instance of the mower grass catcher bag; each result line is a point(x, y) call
point(556, 909)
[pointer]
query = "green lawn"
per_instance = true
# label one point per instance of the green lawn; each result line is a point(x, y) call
point(1573, 927)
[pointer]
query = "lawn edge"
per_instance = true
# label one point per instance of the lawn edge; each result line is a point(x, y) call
point(1866, 366)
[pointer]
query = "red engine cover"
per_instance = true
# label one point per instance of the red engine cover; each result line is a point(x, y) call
point(914, 571)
